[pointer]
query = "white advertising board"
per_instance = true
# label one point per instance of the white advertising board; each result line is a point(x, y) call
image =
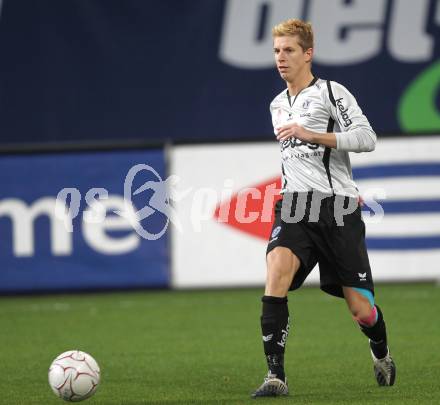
point(211, 249)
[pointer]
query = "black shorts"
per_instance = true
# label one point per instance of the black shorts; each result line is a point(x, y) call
point(340, 250)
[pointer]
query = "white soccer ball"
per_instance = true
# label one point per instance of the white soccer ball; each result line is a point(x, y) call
point(74, 376)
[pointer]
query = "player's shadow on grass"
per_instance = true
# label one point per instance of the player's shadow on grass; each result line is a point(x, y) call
point(202, 401)
point(182, 402)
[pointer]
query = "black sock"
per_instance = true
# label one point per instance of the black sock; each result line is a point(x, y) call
point(275, 328)
point(377, 335)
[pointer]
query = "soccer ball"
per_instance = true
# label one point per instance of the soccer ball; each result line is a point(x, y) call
point(74, 376)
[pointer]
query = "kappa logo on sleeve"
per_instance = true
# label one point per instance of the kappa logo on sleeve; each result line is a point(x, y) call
point(344, 114)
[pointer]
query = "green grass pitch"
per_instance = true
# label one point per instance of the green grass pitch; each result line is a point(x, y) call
point(204, 347)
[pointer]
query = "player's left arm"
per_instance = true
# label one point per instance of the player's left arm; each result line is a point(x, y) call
point(356, 134)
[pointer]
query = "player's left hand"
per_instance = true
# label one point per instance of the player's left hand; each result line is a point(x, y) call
point(295, 131)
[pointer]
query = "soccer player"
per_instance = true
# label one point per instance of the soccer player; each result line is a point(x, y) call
point(317, 123)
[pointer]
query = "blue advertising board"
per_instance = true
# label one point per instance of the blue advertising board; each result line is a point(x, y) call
point(195, 69)
point(66, 221)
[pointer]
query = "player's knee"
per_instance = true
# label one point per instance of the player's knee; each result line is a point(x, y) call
point(360, 310)
point(359, 307)
point(277, 275)
point(360, 303)
point(280, 262)
point(367, 317)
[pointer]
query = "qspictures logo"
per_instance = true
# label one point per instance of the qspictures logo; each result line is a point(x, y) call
point(164, 192)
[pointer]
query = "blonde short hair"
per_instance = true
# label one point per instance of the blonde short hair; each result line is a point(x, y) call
point(296, 27)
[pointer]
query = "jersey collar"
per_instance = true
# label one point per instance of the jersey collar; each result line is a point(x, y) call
point(314, 80)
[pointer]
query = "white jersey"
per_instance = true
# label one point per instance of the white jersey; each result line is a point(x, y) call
point(322, 107)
